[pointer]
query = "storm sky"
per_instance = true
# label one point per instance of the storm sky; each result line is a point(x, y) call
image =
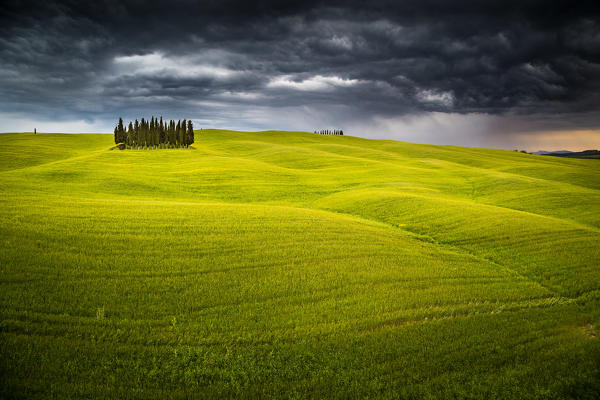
point(506, 74)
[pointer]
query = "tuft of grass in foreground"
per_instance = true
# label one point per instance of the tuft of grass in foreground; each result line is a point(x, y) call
point(294, 265)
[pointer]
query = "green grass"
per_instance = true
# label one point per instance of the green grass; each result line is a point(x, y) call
point(295, 265)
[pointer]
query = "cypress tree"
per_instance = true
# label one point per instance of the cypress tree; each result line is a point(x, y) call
point(157, 126)
point(182, 133)
point(141, 134)
point(137, 135)
point(168, 132)
point(121, 131)
point(116, 133)
point(156, 133)
point(152, 132)
point(149, 139)
point(172, 133)
point(161, 135)
point(190, 133)
point(148, 135)
point(130, 134)
point(143, 126)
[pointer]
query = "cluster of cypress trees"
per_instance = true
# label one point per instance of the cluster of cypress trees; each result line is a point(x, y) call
point(154, 134)
point(331, 132)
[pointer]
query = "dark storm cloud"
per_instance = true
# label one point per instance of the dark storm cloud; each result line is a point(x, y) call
point(225, 60)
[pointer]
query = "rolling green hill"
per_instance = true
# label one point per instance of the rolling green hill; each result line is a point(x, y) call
point(296, 265)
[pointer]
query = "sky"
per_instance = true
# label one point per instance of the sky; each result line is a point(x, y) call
point(503, 74)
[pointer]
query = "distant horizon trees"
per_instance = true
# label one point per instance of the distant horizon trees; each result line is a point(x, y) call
point(154, 134)
point(330, 132)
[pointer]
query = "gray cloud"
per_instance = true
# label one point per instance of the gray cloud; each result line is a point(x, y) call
point(243, 65)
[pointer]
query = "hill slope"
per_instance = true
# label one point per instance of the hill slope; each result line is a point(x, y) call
point(289, 264)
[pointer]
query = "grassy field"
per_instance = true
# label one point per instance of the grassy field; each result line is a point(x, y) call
point(295, 265)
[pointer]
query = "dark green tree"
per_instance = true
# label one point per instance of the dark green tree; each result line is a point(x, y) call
point(121, 131)
point(172, 133)
point(182, 133)
point(162, 134)
point(150, 139)
point(143, 135)
point(152, 133)
point(138, 134)
point(130, 135)
point(157, 133)
point(190, 133)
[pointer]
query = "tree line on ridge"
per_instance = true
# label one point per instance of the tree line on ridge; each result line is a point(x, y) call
point(330, 132)
point(154, 134)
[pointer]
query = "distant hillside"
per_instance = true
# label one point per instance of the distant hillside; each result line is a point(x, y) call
point(545, 153)
point(570, 154)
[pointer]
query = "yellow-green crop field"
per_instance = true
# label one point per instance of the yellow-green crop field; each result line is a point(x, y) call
point(294, 265)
